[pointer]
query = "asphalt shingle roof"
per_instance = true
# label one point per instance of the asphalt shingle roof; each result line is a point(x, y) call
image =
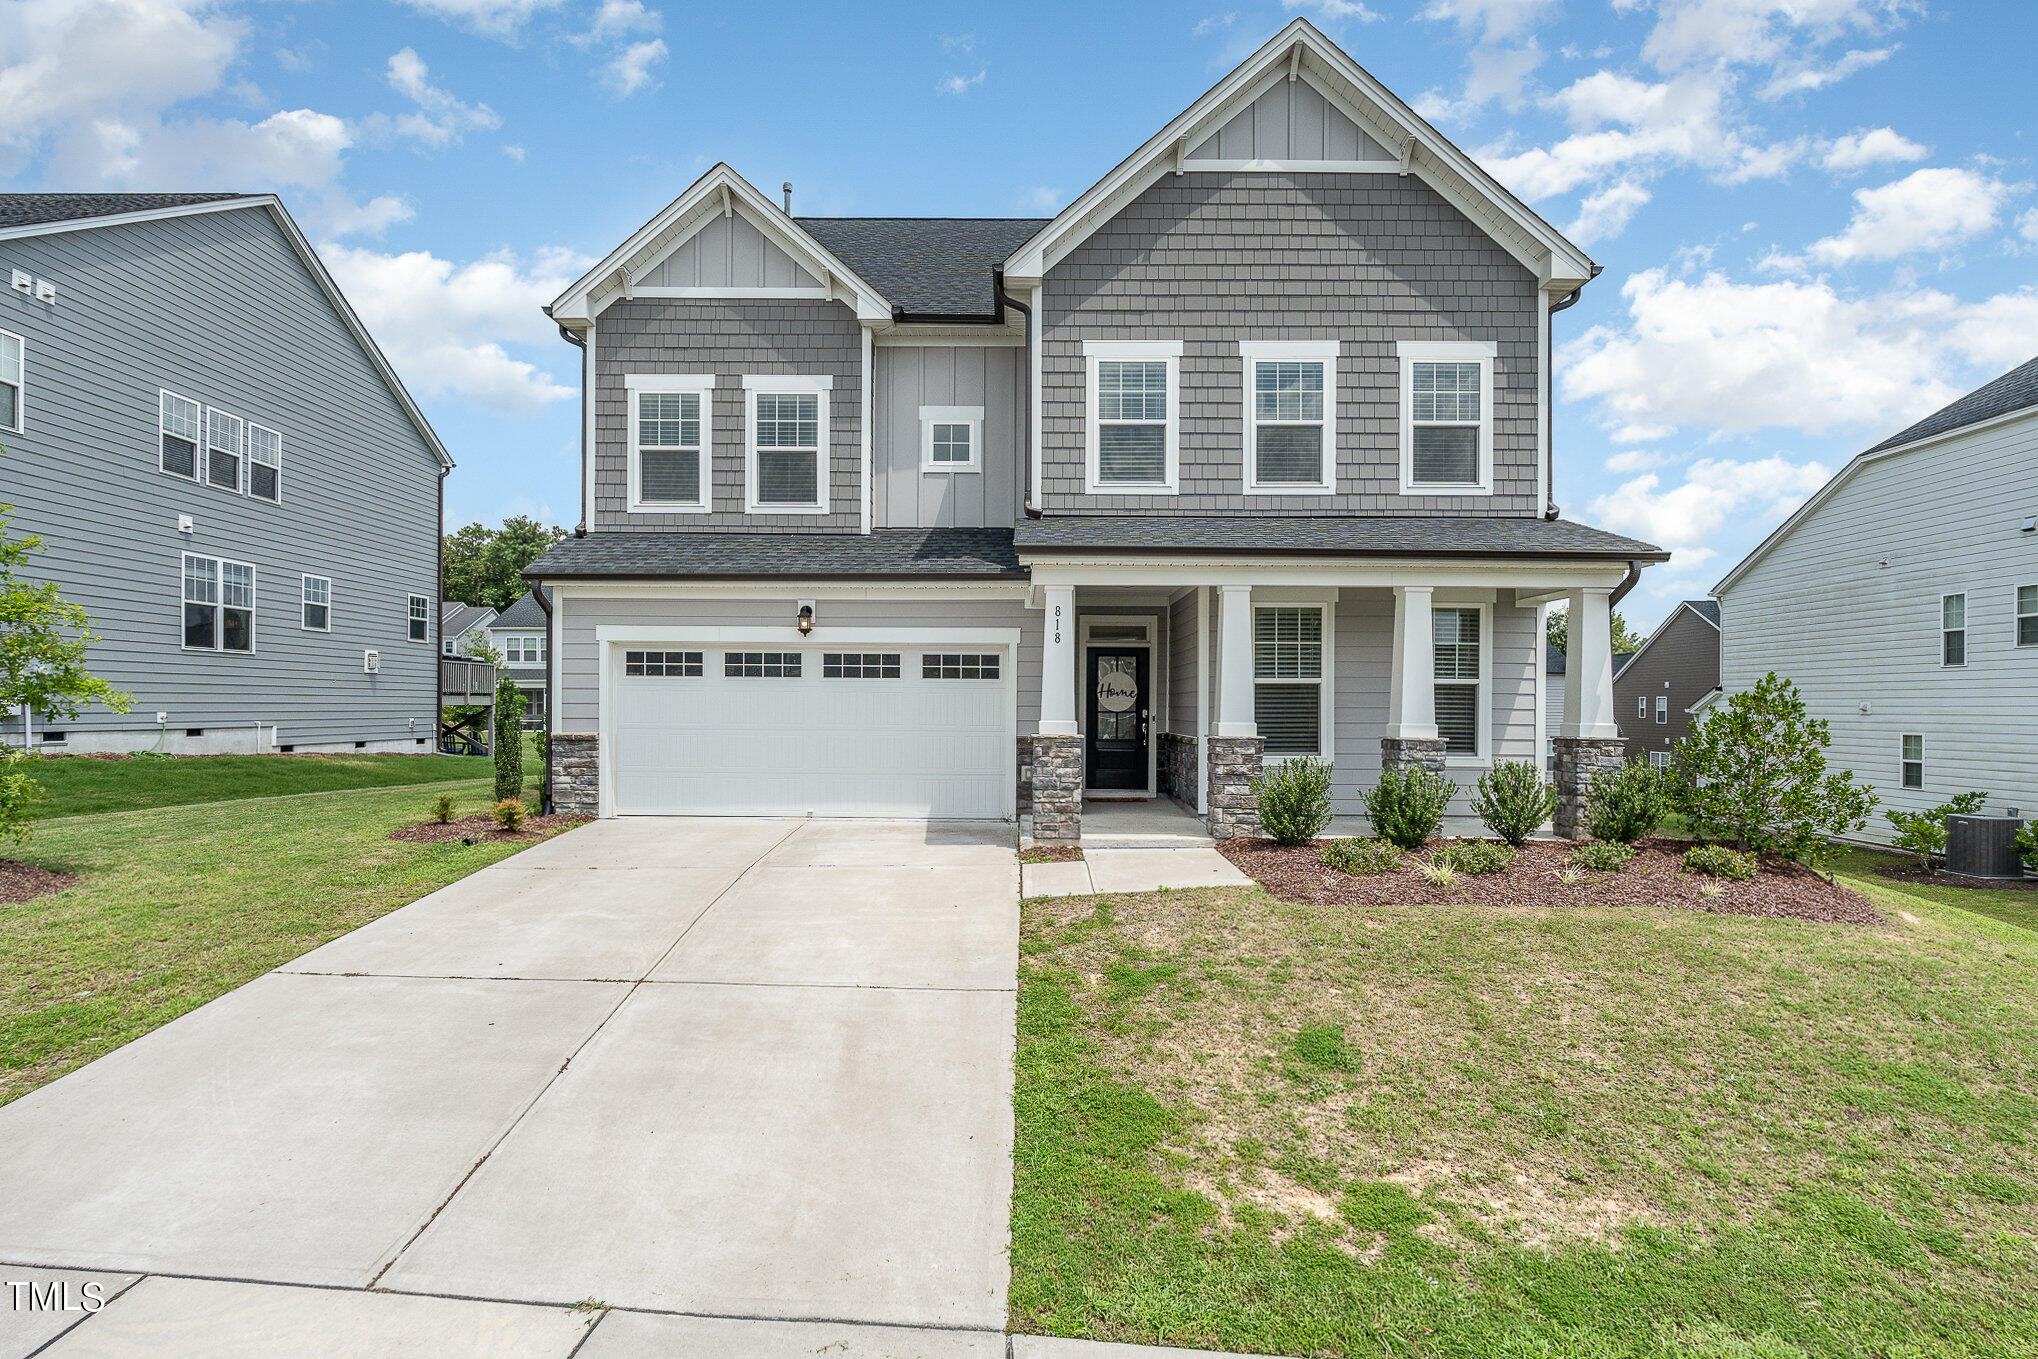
point(2013, 391)
point(884, 553)
point(930, 266)
point(1379, 535)
point(456, 618)
point(525, 613)
point(1708, 609)
point(41, 209)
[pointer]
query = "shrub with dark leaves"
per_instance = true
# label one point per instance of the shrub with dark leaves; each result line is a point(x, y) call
point(1361, 858)
point(1294, 800)
point(1407, 805)
point(1627, 803)
point(1514, 800)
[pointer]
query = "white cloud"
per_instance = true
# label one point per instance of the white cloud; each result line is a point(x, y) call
point(1042, 199)
point(503, 19)
point(338, 215)
point(1805, 77)
point(514, 152)
point(2028, 225)
point(1931, 209)
point(1681, 517)
point(1870, 146)
point(1492, 20)
point(444, 326)
point(2001, 331)
point(1635, 460)
point(1692, 33)
point(440, 118)
point(1335, 11)
point(301, 147)
point(630, 69)
point(957, 84)
point(618, 19)
point(1205, 27)
point(1606, 214)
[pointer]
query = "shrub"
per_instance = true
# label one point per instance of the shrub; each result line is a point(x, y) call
point(18, 792)
point(1717, 861)
point(1361, 857)
point(1625, 804)
point(1514, 800)
point(511, 813)
point(1712, 889)
point(1474, 856)
point(1294, 800)
point(1438, 875)
point(2027, 845)
point(1407, 805)
point(1753, 773)
point(509, 740)
point(442, 808)
point(1922, 835)
point(1604, 856)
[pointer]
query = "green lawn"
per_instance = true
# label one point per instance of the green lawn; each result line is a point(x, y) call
point(1513, 1133)
point(181, 904)
point(76, 786)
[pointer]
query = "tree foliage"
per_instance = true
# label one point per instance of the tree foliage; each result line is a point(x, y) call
point(1922, 835)
point(509, 739)
point(484, 566)
point(1557, 628)
point(1753, 773)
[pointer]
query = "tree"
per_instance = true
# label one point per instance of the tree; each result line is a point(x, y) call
point(1557, 629)
point(509, 740)
point(1753, 773)
point(42, 666)
point(1922, 835)
point(485, 566)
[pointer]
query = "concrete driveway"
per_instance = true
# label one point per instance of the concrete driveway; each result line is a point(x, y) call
point(716, 1068)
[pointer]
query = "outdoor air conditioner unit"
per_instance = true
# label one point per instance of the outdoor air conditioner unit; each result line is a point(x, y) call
point(1983, 846)
point(371, 662)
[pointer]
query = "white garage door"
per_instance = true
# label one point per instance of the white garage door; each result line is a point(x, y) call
point(878, 731)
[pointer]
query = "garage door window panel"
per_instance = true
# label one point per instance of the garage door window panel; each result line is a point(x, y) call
point(859, 665)
point(664, 664)
point(761, 665)
point(951, 666)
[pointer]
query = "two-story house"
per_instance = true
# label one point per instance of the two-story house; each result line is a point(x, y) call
point(226, 475)
point(520, 636)
point(1242, 456)
point(1656, 691)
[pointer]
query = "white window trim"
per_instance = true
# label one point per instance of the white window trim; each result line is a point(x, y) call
point(1412, 352)
point(537, 638)
point(303, 626)
point(1251, 354)
point(248, 428)
point(20, 424)
point(197, 452)
point(1662, 710)
point(1659, 759)
point(973, 416)
point(1903, 759)
point(755, 385)
point(1482, 709)
point(703, 384)
point(219, 606)
point(1963, 630)
point(1326, 716)
point(205, 449)
point(425, 640)
point(2017, 617)
point(1148, 351)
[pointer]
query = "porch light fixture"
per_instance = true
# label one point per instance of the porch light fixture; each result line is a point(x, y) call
point(806, 618)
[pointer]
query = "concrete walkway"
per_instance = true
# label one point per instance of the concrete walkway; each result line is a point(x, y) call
point(1131, 870)
point(747, 1083)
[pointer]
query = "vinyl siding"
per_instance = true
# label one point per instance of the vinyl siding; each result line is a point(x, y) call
point(1681, 664)
point(728, 252)
point(911, 376)
point(1291, 120)
point(218, 307)
point(1183, 718)
point(1847, 607)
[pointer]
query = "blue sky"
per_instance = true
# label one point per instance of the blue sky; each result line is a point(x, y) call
point(1817, 217)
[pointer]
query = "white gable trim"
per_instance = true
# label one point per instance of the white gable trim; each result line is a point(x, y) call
point(1299, 51)
point(719, 192)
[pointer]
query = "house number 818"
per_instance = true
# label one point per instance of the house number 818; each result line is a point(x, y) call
point(1057, 623)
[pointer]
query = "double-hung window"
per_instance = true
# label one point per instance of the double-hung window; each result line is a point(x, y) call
point(13, 380)
point(265, 463)
point(317, 599)
point(1662, 710)
point(1953, 630)
point(1290, 415)
point(1134, 398)
point(2027, 615)
point(1288, 678)
point(177, 432)
point(225, 439)
point(671, 419)
point(1456, 633)
point(1446, 417)
point(420, 618)
point(1913, 762)
point(951, 438)
point(219, 604)
point(788, 454)
point(524, 648)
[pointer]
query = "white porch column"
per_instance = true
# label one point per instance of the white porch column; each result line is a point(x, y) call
point(1058, 662)
point(1588, 690)
point(1412, 681)
point(1235, 663)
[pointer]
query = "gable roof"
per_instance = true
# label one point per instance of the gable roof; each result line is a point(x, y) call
point(456, 618)
point(1553, 659)
point(1621, 659)
point(525, 613)
point(1706, 610)
point(927, 266)
point(1301, 51)
point(42, 214)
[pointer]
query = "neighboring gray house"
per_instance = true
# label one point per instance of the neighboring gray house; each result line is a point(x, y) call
point(462, 626)
point(1243, 456)
point(225, 473)
point(1903, 601)
point(1654, 693)
point(522, 635)
point(1553, 697)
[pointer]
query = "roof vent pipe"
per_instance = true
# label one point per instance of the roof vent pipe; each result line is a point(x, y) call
point(788, 188)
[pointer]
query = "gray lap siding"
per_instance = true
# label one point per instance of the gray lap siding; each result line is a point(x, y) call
point(1215, 258)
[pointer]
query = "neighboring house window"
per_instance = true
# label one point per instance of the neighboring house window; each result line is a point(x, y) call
point(1914, 762)
point(761, 664)
point(1659, 759)
point(1133, 426)
point(670, 664)
point(670, 419)
point(177, 422)
point(788, 471)
point(1446, 417)
point(1662, 710)
point(446, 647)
point(265, 463)
point(225, 438)
point(1288, 678)
point(1456, 635)
point(2027, 615)
point(1953, 630)
point(420, 619)
point(318, 604)
point(219, 604)
point(13, 380)
point(859, 665)
point(1641, 707)
point(951, 438)
point(944, 666)
point(524, 648)
point(1291, 407)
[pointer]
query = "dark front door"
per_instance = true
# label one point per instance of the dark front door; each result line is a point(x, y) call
point(1117, 718)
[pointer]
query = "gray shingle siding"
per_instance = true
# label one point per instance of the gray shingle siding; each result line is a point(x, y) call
point(729, 339)
point(218, 307)
point(1216, 258)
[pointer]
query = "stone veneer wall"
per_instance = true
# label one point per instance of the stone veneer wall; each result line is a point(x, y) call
point(1580, 760)
point(576, 769)
point(1025, 802)
point(1176, 768)
point(1057, 789)
point(1427, 751)
point(1235, 762)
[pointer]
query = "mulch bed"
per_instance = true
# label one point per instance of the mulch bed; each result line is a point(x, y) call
point(25, 882)
point(1052, 854)
point(1654, 877)
point(1904, 873)
point(482, 827)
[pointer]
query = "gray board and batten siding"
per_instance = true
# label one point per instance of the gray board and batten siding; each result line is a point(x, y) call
point(989, 377)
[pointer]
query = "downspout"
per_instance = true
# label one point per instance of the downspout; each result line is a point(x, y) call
point(551, 700)
point(586, 396)
point(438, 638)
point(1550, 509)
point(1005, 299)
point(1627, 583)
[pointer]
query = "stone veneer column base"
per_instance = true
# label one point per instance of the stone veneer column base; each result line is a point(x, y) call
point(1176, 768)
point(1057, 789)
point(1427, 751)
point(1235, 763)
point(576, 773)
point(1580, 760)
